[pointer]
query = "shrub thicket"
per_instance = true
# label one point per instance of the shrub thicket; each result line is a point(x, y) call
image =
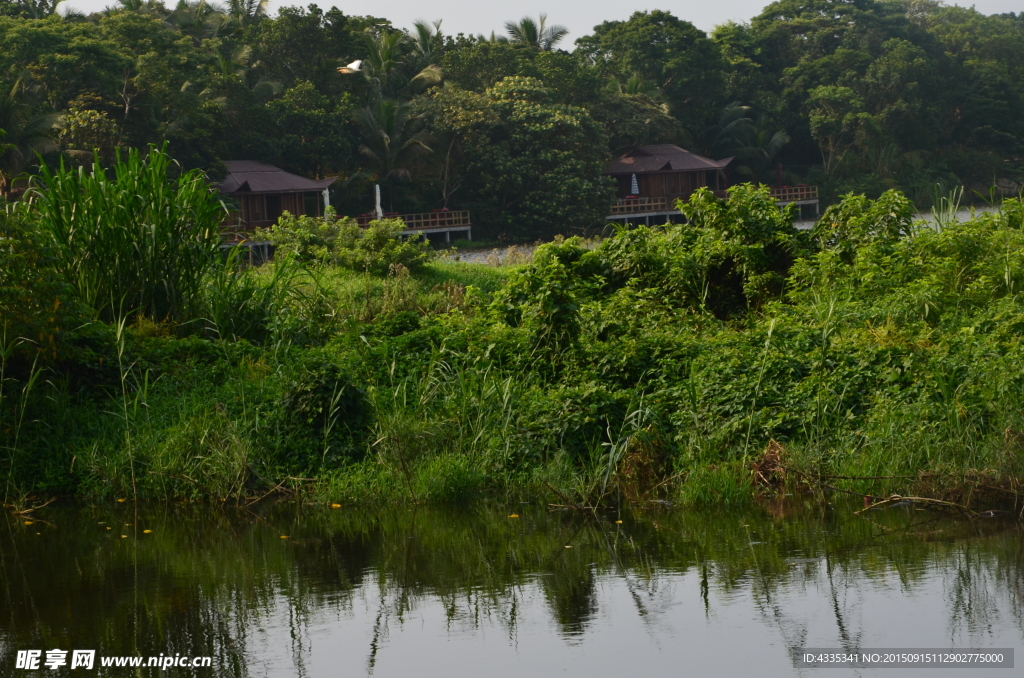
point(659, 362)
point(378, 248)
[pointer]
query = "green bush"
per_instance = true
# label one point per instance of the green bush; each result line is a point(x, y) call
point(380, 248)
point(657, 364)
point(377, 249)
point(323, 417)
point(308, 238)
point(247, 303)
point(858, 221)
point(38, 309)
point(450, 479)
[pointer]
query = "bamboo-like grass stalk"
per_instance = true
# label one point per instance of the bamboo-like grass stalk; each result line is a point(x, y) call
point(137, 243)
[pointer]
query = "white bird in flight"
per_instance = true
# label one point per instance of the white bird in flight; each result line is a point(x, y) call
point(352, 67)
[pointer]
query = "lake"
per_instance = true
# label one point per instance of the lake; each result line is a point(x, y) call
point(287, 589)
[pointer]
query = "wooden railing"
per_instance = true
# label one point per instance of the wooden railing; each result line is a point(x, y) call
point(424, 220)
point(642, 205)
point(794, 193)
point(784, 194)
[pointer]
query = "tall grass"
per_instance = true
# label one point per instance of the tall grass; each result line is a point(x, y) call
point(138, 243)
point(243, 303)
point(10, 431)
point(945, 206)
point(444, 430)
point(890, 353)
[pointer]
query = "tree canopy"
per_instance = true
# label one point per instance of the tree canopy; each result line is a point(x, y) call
point(862, 95)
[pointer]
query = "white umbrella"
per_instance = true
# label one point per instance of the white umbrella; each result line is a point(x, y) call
point(635, 188)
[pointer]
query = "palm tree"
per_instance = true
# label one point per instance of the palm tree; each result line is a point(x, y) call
point(237, 64)
point(749, 140)
point(426, 37)
point(763, 147)
point(382, 58)
point(33, 9)
point(142, 6)
point(494, 38)
point(636, 84)
point(728, 136)
point(536, 34)
point(199, 20)
point(393, 139)
point(153, 7)
point(72, 15)
point(26, 133)
point(246, 13)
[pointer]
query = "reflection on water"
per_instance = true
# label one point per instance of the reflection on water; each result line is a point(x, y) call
point(472, 592)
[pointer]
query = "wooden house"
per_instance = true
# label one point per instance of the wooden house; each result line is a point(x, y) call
point(260, 193)
point(651, 178)
point(665, 171)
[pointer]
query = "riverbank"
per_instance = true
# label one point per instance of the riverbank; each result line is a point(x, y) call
point(879, 356)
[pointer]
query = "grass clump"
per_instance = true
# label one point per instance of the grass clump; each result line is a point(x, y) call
point(136, 242)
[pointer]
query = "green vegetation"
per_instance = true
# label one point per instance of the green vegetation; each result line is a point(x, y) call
point(341, 242)
point(859, 96)
point(656, 363)
point(135, 242)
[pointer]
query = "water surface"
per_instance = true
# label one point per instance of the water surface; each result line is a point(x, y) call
point(474, 592)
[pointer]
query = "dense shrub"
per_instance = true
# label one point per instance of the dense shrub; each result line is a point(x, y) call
point(307, 238)
point(38, 309)
point(661, 360)
point(322, 419)
point(375, 249)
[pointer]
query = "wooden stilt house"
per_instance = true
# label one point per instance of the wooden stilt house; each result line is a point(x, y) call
point(651, 178)
point(260, 193)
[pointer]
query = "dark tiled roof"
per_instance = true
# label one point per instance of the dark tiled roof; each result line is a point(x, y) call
point(663, 158)
point(247, 176)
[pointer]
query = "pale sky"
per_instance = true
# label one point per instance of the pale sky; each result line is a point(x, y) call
point(580, 16)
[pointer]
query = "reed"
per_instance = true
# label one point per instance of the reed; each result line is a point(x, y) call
point(136, 242)
point(240, 302)
point(10, 431)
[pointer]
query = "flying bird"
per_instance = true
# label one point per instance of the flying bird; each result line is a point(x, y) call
point(352, 67)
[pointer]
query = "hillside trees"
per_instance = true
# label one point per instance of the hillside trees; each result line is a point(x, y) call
point(531, 165)
point(862, 95)
point(678, 58)
point(932, 85)
point(26, 132)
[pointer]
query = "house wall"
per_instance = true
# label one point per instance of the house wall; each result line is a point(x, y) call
point(664, 184)
point(260, 210)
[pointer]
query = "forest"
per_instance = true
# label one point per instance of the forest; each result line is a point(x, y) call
point(516, 124)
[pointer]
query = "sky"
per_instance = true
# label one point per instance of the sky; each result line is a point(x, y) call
point(579, 16)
